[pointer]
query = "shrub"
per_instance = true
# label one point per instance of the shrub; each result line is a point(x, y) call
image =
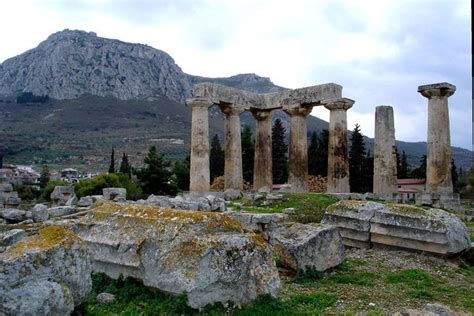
point(27, 192)
point(95, 185)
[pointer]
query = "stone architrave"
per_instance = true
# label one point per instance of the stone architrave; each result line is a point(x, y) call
point(438, 162)
point(298, 147)
point(262, 172)
point(385, 157)
point(338, 157)
point(199, 169)
point(233, 176)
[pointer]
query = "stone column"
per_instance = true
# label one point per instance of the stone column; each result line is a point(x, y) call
point(438, 162)
point(338, 157)
point(262, 170)
point(385, 157)
point(199, 169)
point(233, 177)
point(298, 148)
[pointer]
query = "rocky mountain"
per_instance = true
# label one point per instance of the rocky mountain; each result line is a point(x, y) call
point(106, 92)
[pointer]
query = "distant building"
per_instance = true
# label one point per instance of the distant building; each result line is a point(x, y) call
point(411, 185)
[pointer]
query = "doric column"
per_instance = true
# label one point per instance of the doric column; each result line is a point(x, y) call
point(233, 178)
point(262, 170)
point(338, 158)
point(298, 148)
point(199, 169)
point(385, 157)
point(438, 162)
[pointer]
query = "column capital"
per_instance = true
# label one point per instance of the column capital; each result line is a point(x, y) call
point(298, 110)
point(338, 104)
point(198, 103)
point(230, 109)
point(261, 114)
point(442, 89)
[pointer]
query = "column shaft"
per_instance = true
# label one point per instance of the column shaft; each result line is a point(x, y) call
point(262, 172)
point(438, 162)
point(298, 149)
point(385, 157)
point(199, 169)
point(233, 177)
point(338, 156)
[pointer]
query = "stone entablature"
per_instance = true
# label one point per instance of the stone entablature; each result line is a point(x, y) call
point(297, 103)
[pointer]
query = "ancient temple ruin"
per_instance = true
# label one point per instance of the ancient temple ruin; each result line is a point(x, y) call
point(297, 103)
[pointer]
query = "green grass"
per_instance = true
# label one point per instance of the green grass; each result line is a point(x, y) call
point(309, 207)
point(346, 289)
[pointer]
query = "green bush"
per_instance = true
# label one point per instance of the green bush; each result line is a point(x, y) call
point(46, 193)
point(27, 192)
point(95, 185)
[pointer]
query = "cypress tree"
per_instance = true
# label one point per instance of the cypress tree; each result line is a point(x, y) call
point(322, 154)
point(216, 158)
point(404, 169)
point(248, 153)
point(112, 161)
point(420, 172)
point(313, 154)
point(181, 172)
point(357, 158)
point(44, 177)
point(125, 166)
point(454, 174)
point(279, 153)
point(155, 176)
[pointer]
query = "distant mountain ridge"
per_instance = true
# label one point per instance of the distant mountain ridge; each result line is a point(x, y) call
point(69, 64)
point(81, 69)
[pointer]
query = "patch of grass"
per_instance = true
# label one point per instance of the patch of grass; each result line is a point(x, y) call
point(309, 207)
point(470, 227)
point(357, 278)
point(413, 278)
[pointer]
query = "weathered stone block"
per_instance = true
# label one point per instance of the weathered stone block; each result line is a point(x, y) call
point(302, 247)
point(205, 254)
point(13, 215)
point(61, 194)
point(111, 194)
point(40, 213)
point(363, 224)
point(12, 236)
point(61, 211)
point(45, 274)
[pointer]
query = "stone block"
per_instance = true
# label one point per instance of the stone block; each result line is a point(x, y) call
point(114, 194)
point(207, 255)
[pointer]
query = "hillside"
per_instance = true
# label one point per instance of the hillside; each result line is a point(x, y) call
point(105, 93)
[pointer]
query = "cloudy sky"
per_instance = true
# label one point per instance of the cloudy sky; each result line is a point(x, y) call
point(379, 51)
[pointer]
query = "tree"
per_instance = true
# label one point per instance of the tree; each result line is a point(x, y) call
point(279, 153)
point(44, 177)
point(420, 172)
point(248, 153)
point(155, 176)
point(181, 173)
point(357, 158)
point(399, 163)
point(313, 154)
point(125, 166)
point(454, 174)
point(112, 161)
point(318, 154)
point(216, 159)
point(404, 168)
point(95, 185)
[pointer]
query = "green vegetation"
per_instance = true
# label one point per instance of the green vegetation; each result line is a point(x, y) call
point(470, 226)
point(155, 176)
point(27, 192)
point(95, 185)
point(45, 195)
point(377, 288)
point(309, 207)
point(248, 153)
point(216, 158)
point(279, 153)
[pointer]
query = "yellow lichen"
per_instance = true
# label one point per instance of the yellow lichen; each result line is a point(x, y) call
point(47, 238)
point(163, 217)
point(404, 209)
point(344, 205)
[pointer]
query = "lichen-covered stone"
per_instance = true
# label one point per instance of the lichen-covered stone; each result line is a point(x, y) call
point(61, 211)
point(61, 194)
point(45, 274)
point(111, 194)
point(363, 224)
point(39, 213)
point(302, 247)
point(85, 201)
point(12, 236)
point(13, 215)
point(208, 255)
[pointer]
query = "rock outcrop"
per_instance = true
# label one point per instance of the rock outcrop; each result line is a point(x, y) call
point(61, 195)
point(204, 254)
point(365, 224)
point(45, 274)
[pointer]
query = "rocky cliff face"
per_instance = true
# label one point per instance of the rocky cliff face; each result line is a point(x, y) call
point(71, 63)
